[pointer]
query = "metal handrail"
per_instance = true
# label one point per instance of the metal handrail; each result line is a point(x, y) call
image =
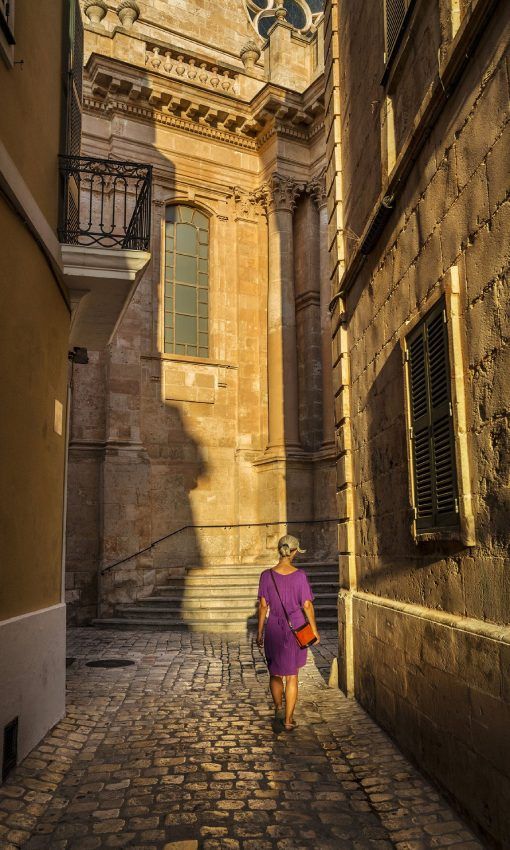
point(221, 525)
point(105, 202)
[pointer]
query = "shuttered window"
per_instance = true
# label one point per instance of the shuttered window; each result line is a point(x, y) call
point(432, 450)
point(7, 40)
point(73, 82)
point(395, 17)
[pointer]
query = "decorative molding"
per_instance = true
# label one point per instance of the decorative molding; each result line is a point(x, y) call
point(186, 104)
point(177, 64)
point(159, 117)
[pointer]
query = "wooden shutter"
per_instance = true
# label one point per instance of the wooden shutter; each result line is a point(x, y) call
point(395, 16)
point(431, 435)
point(7, 21)
point(73, 85)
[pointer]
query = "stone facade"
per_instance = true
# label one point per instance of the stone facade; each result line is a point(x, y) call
point(234, 126)
point(419, 215)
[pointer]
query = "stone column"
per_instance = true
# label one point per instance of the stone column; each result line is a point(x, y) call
point(317, 190)
point(281, 193)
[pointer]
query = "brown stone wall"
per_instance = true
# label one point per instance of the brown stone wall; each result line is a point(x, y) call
point(416, 617)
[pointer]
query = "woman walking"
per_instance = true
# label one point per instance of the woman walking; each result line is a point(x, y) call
point(284, 589)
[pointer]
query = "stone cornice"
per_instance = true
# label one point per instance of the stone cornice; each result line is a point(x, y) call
point(116, 86)
point(146, 112)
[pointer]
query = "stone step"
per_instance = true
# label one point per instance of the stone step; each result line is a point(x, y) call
point(205, 608)
point(211, 580)
point(252, 569)
point(207, 612)
point(220, 626)
point(222, 595)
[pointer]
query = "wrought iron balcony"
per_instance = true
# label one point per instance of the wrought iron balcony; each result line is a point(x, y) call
point(105, 202)
point(104, 230)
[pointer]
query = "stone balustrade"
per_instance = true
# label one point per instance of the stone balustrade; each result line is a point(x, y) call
point(201, 73)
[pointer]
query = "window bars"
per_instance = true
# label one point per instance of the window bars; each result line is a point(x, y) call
point(105, 202)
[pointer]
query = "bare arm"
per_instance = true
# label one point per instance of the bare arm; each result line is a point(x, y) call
point(310, 613)
point(263, 606)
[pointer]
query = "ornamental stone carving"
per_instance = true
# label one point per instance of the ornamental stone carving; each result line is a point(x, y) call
point(247, 205)
point(95, 10)
point(317, 190)
point(176, 64)
point(302, 15)
point(281, 193)
point(250, 54)
point(128, 12)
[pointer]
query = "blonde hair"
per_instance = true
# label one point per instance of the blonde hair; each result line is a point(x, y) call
point(287, 545)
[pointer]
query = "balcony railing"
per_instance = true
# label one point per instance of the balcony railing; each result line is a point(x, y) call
point(105, 202)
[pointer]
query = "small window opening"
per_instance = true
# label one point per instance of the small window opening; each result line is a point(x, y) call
point(10, 753)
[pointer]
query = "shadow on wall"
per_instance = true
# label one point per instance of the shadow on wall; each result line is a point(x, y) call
point(132, 462)
point(393, 564)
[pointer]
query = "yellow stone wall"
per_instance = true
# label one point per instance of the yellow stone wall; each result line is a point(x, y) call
point(35, 321)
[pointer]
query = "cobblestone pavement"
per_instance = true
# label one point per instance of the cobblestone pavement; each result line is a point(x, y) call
point(181, 749)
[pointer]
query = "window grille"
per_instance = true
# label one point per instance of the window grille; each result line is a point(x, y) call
point(432, 450)
point(186, 325)
point(396, 13)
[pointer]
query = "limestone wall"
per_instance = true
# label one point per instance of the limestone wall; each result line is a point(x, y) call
point(161, 441)
point(418, 646)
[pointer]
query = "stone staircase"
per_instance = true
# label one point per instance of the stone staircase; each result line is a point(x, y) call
point(218, 599)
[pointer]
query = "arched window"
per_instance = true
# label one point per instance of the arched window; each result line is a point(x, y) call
point(186, 281)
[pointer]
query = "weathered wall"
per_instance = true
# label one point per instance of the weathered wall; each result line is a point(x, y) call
point(416, 616)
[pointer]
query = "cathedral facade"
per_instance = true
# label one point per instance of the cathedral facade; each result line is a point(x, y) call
point(211, 410)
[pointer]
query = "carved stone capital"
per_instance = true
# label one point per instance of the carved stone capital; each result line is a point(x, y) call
point(317, 190)
point(247, 205)
point(281, 193)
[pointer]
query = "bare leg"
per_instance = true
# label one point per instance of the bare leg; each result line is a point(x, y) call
point(276, 685)
point(291, 695)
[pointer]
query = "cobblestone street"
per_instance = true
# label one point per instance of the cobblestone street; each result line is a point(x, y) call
point(180, 750)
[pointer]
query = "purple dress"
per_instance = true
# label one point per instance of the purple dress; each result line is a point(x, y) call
point(283, 653)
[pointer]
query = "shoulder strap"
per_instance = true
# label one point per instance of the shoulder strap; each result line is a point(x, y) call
point(280, 598)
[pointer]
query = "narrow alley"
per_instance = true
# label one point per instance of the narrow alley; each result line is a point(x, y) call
point(179, 749)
